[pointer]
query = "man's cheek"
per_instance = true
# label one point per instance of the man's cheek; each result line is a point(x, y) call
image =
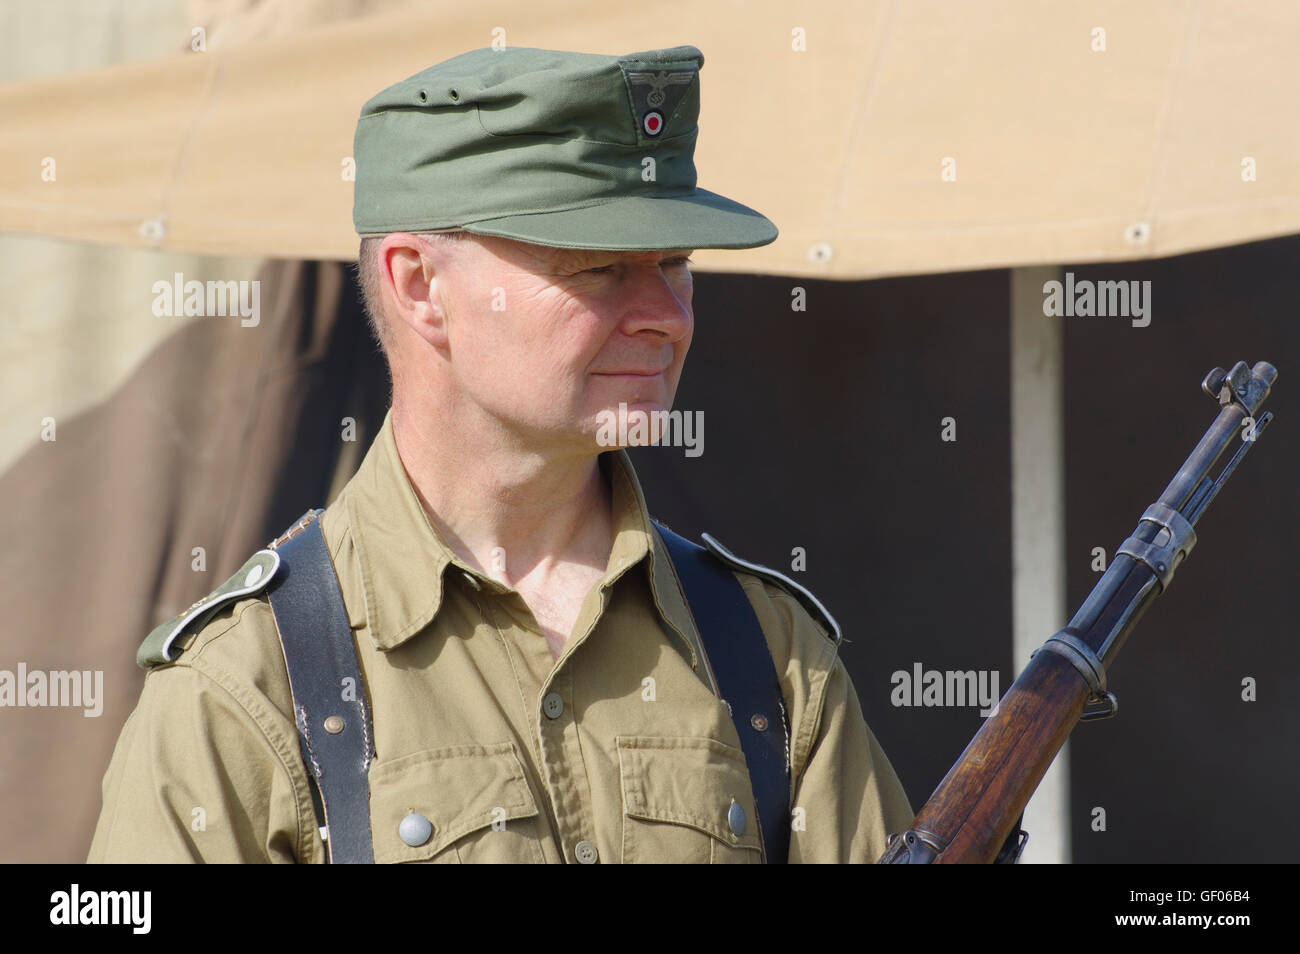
point(679, 363)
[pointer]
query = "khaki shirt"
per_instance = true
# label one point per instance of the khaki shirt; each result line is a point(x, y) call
point(642, 761)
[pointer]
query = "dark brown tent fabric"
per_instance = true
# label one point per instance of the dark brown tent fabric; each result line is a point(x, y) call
point(219, 440)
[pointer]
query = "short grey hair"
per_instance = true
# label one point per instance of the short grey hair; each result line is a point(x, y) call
point(368, 278)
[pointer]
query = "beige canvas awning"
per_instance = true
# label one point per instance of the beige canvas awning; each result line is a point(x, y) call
point(883, 138)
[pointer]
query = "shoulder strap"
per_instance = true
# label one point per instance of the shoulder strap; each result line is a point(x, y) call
point(328, 700)
point(254, 576)
point(742, 664)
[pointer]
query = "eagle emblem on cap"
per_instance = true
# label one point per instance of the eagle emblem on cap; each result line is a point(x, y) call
point(659, 81)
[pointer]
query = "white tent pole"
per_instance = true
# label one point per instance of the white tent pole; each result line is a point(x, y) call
point(1038, 524)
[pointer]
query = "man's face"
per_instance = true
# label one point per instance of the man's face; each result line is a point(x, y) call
point(544, 340)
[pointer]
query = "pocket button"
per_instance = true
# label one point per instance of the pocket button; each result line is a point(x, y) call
point(736, 818)
point(415, 829)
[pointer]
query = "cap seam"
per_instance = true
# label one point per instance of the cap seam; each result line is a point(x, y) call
point(595, 142)
point(573, 208)
point(591, 205)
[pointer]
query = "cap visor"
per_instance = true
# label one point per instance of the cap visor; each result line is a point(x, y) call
point(640, 223)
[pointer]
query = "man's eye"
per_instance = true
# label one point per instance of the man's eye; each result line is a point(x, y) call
point(598, 271)
point(681, 260)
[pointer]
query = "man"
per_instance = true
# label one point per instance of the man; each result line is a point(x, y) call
point(538, 687)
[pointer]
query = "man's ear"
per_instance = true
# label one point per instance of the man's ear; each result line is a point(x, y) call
point(411, 286)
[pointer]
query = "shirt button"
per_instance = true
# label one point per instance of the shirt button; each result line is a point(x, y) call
point(415, 829)
point(553, 706)
point(585, 852)
point(736, 818)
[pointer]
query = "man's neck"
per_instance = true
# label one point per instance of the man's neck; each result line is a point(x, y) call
point(517, 515)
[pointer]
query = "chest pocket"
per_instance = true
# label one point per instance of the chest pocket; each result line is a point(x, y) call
point(677, 796)
point(476, 799)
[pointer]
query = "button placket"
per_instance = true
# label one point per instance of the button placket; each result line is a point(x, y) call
point(563, 768)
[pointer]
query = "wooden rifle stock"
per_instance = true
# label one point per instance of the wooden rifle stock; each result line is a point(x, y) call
point(973, 814)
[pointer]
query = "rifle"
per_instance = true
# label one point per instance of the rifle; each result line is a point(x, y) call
point(974, 815)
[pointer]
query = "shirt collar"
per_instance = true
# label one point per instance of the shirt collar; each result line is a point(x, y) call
point(403, 561)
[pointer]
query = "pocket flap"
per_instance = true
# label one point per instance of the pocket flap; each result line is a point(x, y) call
point(688, 781)
point(459, 789)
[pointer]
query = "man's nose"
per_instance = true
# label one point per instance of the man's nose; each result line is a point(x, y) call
point(657, 298)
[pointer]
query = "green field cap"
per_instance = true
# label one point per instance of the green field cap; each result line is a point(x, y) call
point(570, 150)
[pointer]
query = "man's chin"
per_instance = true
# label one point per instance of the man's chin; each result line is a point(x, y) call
point(629, 424)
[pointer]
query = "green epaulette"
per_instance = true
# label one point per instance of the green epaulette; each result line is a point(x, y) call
point(250, 578)
point(809, 602)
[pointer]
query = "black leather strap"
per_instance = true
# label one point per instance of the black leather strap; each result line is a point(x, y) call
point(747, 680)
point(333, 722)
